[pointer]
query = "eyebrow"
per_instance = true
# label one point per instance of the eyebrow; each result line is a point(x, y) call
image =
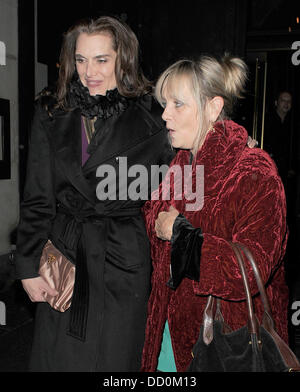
point(96, 57)
point(173, 97)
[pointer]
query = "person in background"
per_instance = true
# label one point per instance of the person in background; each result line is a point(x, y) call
point(243, 200)
point(102, 110)
point(278, 134)
point(280, 143)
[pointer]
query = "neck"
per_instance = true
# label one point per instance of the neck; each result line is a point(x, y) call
point(281, 115)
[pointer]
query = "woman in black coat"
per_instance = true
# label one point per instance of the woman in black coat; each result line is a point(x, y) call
point(99, 122)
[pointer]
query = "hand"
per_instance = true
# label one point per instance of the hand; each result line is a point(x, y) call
point(164, 223)
point(251, 143)
point(36, 289)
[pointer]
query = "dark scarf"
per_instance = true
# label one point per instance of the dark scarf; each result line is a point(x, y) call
point(100, 106)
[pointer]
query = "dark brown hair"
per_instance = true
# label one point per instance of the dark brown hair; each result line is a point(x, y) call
point(130, 80)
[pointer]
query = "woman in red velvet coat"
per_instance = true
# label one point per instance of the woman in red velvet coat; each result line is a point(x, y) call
point(243, 201)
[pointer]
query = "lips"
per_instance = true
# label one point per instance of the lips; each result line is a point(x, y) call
point(93, 83)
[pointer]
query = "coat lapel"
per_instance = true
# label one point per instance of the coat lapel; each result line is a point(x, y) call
point(131, 128)
point(66, 136)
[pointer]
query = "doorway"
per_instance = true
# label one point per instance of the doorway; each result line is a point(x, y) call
point(272, 71)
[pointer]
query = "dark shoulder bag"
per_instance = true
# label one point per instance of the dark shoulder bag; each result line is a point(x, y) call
point(252, 348)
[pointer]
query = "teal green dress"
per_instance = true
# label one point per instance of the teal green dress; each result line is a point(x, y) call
point(166, 361)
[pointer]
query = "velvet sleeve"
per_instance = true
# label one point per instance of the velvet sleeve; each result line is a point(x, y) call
point(38, 205)
point(255, 207)
point(186, 243)
point(156, 204)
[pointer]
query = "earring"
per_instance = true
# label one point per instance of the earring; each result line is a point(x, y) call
point(211, 128)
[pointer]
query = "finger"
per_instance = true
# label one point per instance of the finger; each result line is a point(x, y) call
point(41, 296)
point(161, 214)
point(159, 234)
point(31, 298)
point(45, 288)
point(174, 210)
point(37, 298)
point(160, 218)
point(157, 230)
point(41, 299)
point(51, 292)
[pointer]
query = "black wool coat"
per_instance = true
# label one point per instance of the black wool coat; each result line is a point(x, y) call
point(62, 203)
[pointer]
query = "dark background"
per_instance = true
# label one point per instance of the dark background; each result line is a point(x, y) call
point(257, 30)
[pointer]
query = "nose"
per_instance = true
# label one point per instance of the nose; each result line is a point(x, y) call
point(90, 70)
point(166, 113)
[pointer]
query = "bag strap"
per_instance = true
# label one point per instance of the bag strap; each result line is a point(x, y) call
point(209, 317)
point(267, 321)
point(253, 324)
point(287, 354)
point(267, 316)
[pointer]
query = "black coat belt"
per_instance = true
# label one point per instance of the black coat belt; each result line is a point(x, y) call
point(80, 300)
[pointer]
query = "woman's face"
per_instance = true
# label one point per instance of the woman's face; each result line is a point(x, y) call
point(95, 62)
point(180, 114)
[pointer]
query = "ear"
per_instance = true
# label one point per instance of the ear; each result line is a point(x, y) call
point(215, 106)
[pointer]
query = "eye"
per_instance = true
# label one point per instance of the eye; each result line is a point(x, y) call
point(178, 104)
point(79, 60)
point(163, 104)
point(102, 60)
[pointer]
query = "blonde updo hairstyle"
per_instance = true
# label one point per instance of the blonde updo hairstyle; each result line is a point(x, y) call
point(208, 78)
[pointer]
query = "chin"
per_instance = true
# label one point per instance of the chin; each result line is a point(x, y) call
point(174, 143)
point(179, 145)
point(95, 92)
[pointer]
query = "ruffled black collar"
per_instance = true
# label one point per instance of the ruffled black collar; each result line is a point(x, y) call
point(100, 106)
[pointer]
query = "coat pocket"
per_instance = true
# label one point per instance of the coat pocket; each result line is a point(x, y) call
point(128, 245)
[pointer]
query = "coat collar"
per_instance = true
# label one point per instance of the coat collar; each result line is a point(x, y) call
point(66, 139)
point(222, 148)
point(221, 151)
point(132, 127)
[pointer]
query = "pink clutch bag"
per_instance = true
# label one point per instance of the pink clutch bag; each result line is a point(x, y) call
point(59, 273)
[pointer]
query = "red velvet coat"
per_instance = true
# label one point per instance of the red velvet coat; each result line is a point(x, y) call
point(244, 201)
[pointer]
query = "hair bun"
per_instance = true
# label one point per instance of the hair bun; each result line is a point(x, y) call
point(235, 75)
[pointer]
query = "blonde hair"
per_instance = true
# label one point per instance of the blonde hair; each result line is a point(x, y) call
point(208, 78)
